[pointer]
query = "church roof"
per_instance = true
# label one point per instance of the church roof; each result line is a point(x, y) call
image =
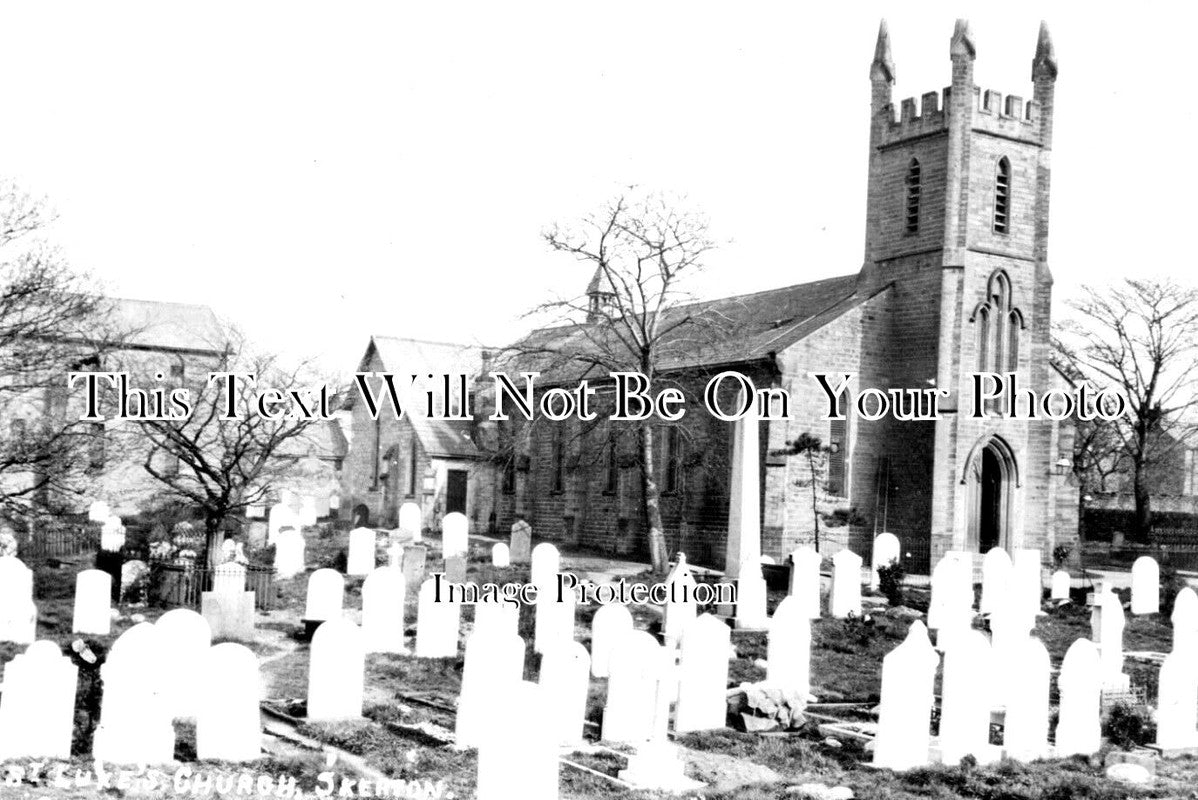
point(446, 438)
point(727, 330)
point(158, 325)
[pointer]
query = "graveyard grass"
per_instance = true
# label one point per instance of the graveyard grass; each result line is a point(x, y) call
point(408, 703)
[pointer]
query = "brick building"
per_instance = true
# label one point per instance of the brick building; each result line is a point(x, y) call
point(434, 463)
point(955, 280)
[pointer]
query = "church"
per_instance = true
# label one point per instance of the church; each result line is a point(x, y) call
point(954, 281)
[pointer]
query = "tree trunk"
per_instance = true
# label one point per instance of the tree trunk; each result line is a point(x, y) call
point(658, 556)
point(212, 539)
point(814, 500)
point(1143, 500)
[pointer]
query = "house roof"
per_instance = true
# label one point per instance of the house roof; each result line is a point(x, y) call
point(445, 438)
point(157, 325)
point(323, 439)
point(727, 330)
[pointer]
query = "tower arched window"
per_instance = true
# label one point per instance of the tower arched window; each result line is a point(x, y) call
point(913, 187)
point(1002, 196)
point(983, 320)
point(1014, 322)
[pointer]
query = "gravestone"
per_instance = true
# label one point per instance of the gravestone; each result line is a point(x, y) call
point(610, 624)
point(289, 553)
point(521, 542)
point(501, 556)
point(546, 563)
point(1026, 688)
point(383, 611)
point(229, 607)
point(228, 726)
point(634, 671)
point(1177, 702)
point(307, 512)
point(135, 721)
point(1145, 586)
point(93, 603)
point(1106, 630)
point(414, 556)
point(437, 623)
point(256, 533)
point(496, 616)
point(18, 614)
point(904, 716)
point(950, 611)
point(805, 580)
point(680, 608)
point(1185, 620)
point(336, 672)
point(1079, 729)
point(37, 707)
point(455, 539)
point(750, 612)
point(281, 517)
point(743, 546)
point(112, 534)
point(98, 511)
point(361, 559)
point(996, 579)
point(326, 594)
point(455, 569)
point(554, 617)
point(887, 550)
point(410, 522)
point(788, 652)
point(565, 679)
point(703, 674)
point(845, 600)
point(1061, 584)
point(964, 706)
point(493, 666)
point(518, 757)
point(185, 637)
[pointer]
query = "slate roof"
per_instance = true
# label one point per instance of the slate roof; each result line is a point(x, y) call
point(440, 438)
point(727, 330)
point(180, 327)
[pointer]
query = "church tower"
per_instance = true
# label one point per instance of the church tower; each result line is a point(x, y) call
point(956, 251)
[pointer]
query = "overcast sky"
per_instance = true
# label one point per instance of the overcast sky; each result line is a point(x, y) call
point(321, 172)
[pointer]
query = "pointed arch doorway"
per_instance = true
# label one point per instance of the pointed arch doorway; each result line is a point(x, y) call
point(991, 477)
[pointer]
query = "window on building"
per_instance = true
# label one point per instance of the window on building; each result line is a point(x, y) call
point(1002, 196)
point(612, 466)
point(559, 459)
point(96, 446)
point(177, 371)
point(983, 317)
point(413, 462)
point(674, 454)
point(913, 190)
point(1015, 322)
point(838, 441)
point(1191, 473)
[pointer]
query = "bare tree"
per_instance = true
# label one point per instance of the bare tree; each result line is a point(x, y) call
point(635, 315)
point(225, 463)
point(1140, 338)
point(52, 320)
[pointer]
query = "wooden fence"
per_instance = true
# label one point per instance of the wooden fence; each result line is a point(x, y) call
point(62, 541)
